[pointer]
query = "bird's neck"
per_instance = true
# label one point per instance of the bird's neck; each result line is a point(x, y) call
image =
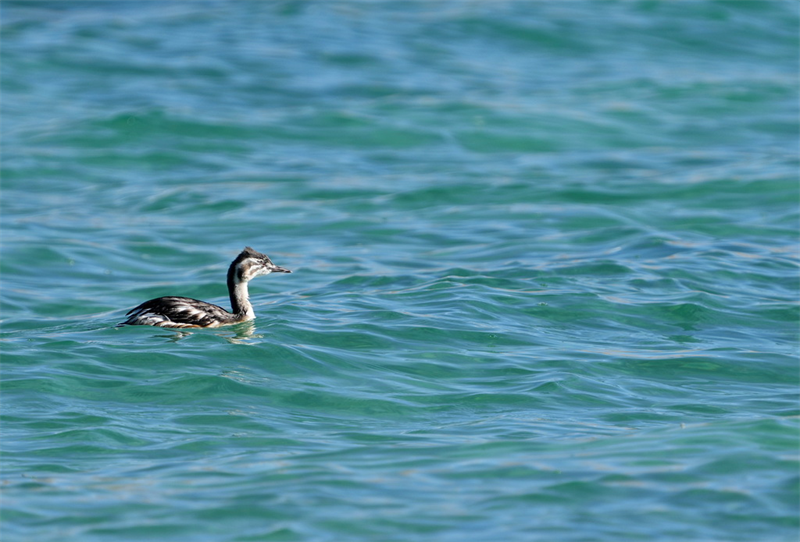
point(240, 298)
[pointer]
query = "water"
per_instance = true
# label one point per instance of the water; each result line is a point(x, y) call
point(545, 271)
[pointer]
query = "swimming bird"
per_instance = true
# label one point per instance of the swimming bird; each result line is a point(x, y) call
point(185, 312)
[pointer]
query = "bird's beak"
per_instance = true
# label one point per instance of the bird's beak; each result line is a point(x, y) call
point(279, 269)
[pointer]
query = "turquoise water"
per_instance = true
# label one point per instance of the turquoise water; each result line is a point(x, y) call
point(545, 264)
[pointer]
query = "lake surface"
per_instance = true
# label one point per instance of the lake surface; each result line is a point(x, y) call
point(545, 271)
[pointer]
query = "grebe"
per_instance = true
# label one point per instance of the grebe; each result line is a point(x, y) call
point(174, 311)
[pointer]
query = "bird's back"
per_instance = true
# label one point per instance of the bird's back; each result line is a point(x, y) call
point(175, 311)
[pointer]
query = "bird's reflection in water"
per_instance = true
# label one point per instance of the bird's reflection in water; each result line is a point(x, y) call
point(241, 332)
point(238, 334)
point(175, 336)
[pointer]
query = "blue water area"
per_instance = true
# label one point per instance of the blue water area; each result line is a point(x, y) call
point(545, 271)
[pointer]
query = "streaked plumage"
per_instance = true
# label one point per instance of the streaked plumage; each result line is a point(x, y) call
point(182, 312)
